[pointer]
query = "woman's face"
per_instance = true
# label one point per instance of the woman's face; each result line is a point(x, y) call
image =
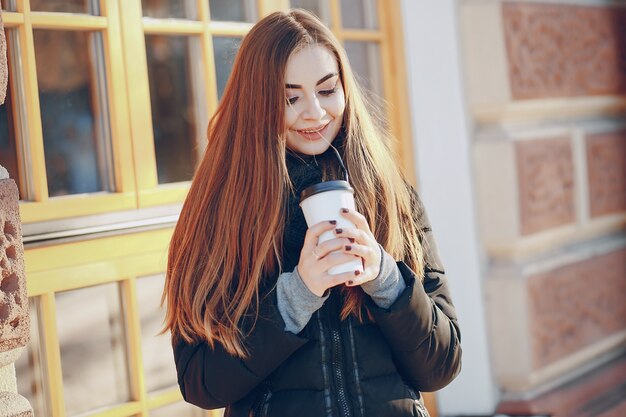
point(314, 101)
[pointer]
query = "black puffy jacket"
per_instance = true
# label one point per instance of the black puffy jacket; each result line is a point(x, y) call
point(334, 368)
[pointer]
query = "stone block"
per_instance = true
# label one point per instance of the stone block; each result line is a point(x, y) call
point(483, 52)
point(574, 306)
point(551, 315)
point(14, 317)
point(564, 50)
point(606, 166)
point(546, 184)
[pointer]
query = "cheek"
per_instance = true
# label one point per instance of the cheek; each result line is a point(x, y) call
point(338, 105)
point(291, 116)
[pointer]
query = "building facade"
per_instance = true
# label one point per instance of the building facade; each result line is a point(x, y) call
point(509, 119)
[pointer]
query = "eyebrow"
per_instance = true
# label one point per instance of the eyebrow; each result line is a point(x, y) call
point(324, 78)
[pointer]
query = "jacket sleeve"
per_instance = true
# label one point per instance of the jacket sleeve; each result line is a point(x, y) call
point(212, 378)
point(421, 325)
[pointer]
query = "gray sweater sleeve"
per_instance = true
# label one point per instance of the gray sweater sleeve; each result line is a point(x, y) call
point(388, 285)
point(296, 303)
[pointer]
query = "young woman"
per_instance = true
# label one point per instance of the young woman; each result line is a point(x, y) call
point(258, 324)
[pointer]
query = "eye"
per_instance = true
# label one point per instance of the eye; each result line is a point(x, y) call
point(291, 100)
point(328, 92)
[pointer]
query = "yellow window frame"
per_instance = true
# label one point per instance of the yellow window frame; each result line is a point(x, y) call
point(115, 259)
point(43, 208)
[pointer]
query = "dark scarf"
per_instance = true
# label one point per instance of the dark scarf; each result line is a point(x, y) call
point(304, 170)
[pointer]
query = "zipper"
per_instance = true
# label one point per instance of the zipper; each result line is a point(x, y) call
point(266, 403)
point(421, 409)
point(325, 370)
point(262, 405)
point(338, 373)
point(355, 368)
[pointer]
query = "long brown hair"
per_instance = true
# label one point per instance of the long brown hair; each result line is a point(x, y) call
point(229, 234)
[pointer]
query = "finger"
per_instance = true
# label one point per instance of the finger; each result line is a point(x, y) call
point(355, 249)
point(358, 235)
point(355, 217)
point(343, 278)
point(335, 259)
point(315, 231)
point(332, 245)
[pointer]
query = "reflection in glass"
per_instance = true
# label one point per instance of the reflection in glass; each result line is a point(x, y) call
point(321, 8)
point(65, 6)
point(359, 14)
point(8, 5)
point(365, 61)
point(224, 51)
point(8, 144)
point(173, 80)
point(179, 9)
point(91, 337)
point(29, 367)
point(8, 148)
point(74, 111)
point(180, 409)
point(233, 10)
point(158, 362)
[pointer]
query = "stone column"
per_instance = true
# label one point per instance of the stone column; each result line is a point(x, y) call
point(14, 317)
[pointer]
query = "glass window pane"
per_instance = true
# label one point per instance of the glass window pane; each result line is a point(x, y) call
point(158, 360)
point(8, 148)
point(179, 9)
point(224, 51)
point(8, 5)
point(365, 61)
point(321, 8)
point(174, 73)
point(29, 367)
point(181, 409)
point(65, 6)
point(234, 10)
point(359, 14)
point(8, 143)
point(74, 111)
point(91, 337)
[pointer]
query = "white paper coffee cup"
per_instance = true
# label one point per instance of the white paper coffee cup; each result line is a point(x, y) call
point(322, 202)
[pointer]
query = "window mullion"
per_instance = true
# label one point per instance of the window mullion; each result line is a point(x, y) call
point(132, 323)
point(38, 177)
point(394, 82)
point(54, 380)
point(117, 93)
point(210, 77)
point(335, 13)
point(134, 47)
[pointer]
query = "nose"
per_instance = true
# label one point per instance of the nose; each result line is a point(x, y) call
point(313, 110)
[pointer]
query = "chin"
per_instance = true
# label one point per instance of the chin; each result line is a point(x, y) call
point(311, 148)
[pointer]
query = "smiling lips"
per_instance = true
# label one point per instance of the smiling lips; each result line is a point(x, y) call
point(313, 133)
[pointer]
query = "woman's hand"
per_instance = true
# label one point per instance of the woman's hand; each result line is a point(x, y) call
point(316, 259)
point(365, 246)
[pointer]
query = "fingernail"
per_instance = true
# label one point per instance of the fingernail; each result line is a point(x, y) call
point(332, 221)
point(344, 210)
point(338, 231)
point(350, 282)
point(357, 272)
point(348, 247)
point(351, 240)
